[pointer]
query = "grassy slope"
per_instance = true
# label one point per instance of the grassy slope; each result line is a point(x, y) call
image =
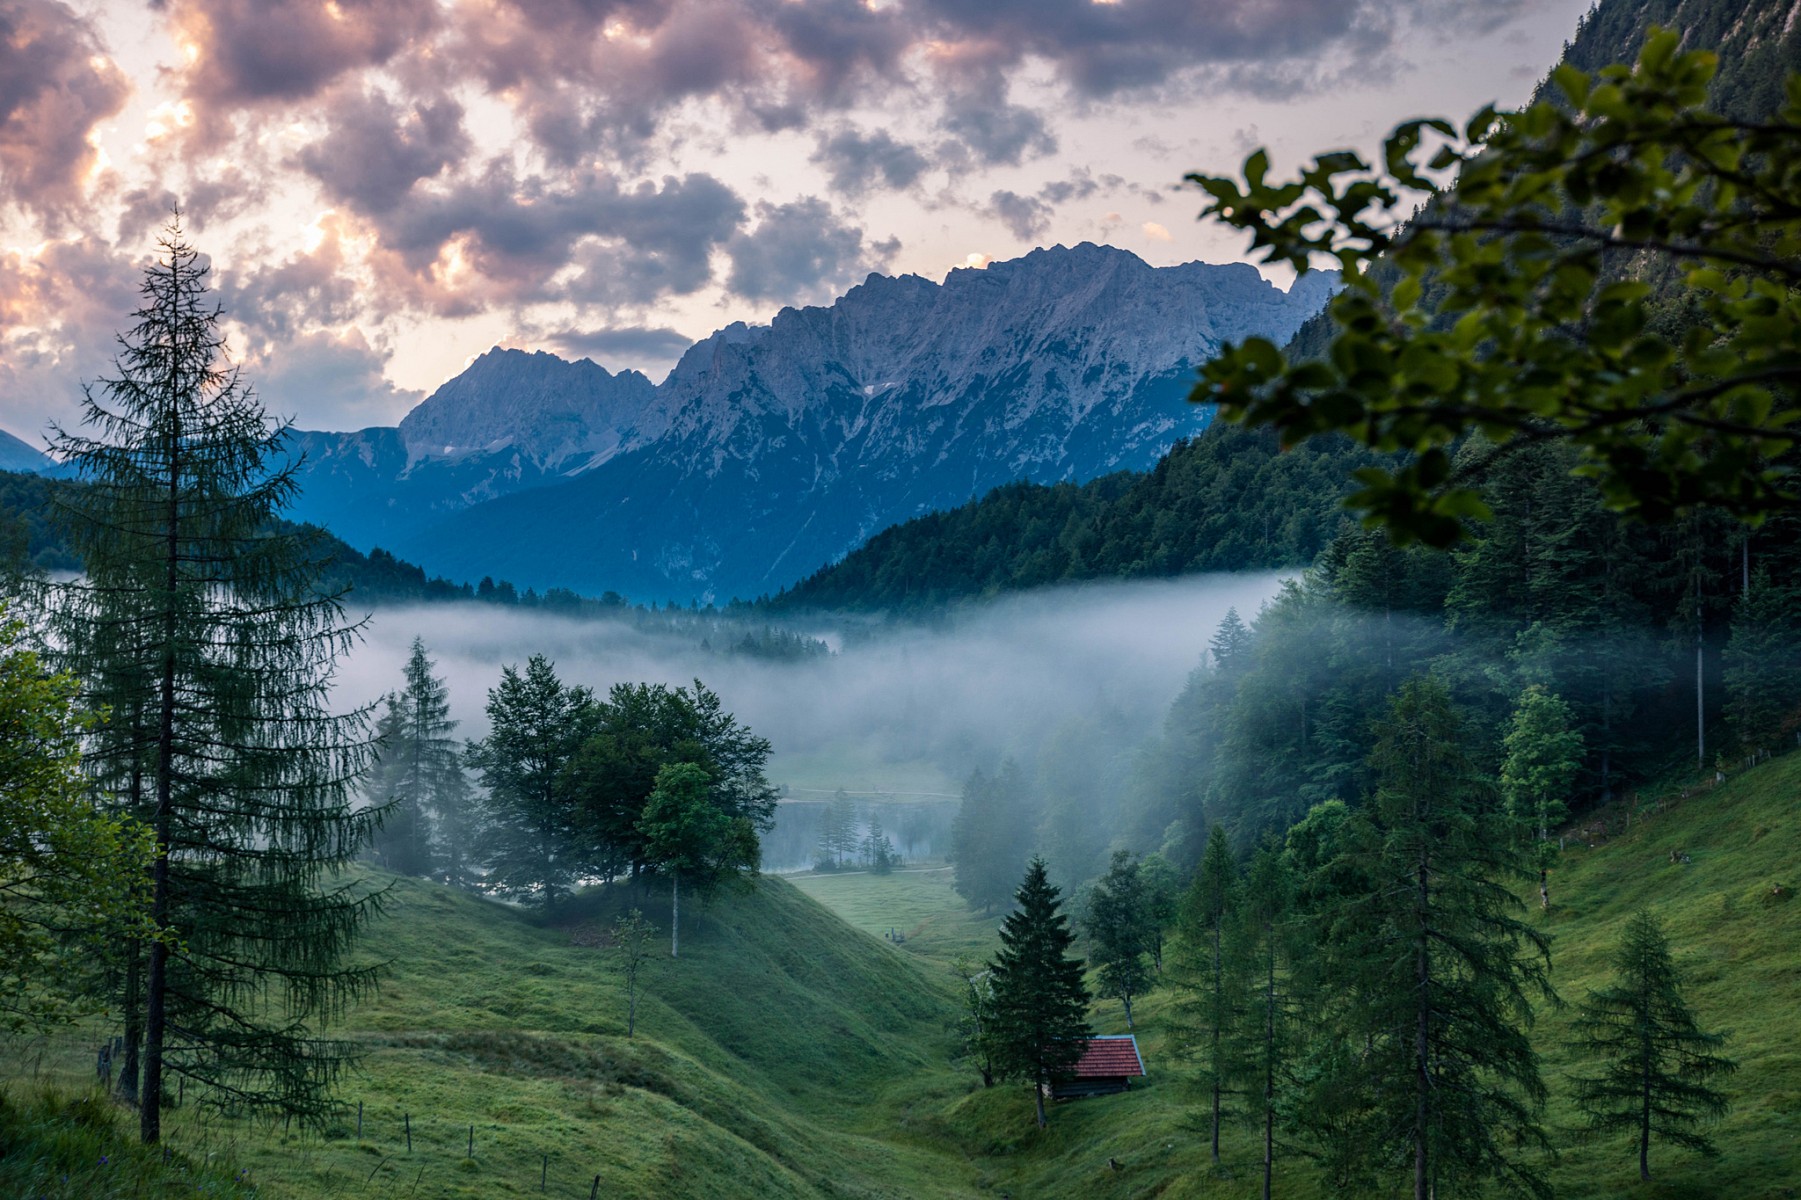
point(1740, 943)
point(752, 1073)
point(785, 1056)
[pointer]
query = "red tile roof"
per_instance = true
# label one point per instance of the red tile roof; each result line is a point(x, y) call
point(1110, 1057)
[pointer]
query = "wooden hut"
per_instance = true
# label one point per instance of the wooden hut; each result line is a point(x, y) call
point(1109, 1064)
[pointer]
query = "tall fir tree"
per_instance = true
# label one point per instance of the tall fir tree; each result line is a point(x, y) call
point(536, 725)
point(193, 586)
point(1039, 1025)
point(1655, 1058)
point(1439, 972)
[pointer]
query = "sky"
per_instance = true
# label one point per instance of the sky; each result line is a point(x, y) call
point(387, 188)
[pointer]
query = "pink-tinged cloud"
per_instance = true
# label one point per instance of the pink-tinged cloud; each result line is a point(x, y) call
point(56, 85)
point(249, 53)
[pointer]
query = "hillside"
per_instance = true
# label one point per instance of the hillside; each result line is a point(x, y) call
point(781, 1055)
point(1228, 500)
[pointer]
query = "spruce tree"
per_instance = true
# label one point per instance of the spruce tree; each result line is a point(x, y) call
point(1437, 970)
point(991, 836)
point(193, 588)
point(1654, 1055)
point(403, 843)
point(1039, 1028)
point(536, 724)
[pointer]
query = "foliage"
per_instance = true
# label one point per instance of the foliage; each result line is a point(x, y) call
point(632, 936)
point(1039, 1027)
point(1432, 971)
point(201, 623)
point(629, 738)
point(1227, 500)
point(1265, 950)
point(73, 877)
point(1762, 663)
point(1119, 924)
point(1519, 305)
point(418, 773)
point(688, 834)
point(1655, 1056)
point(991, 836)
point(536, 723)
point(1543, 752)
point(975, 1020)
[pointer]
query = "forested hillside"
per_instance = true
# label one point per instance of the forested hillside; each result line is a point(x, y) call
point(1228, 500)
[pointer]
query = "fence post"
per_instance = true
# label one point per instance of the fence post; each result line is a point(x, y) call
point(594, 1192)
point(409, 1131)
point(471, 1153)
point(543, 1172)
point(359, 1120)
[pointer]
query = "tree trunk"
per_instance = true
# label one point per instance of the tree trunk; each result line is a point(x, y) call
point(1544, 889)
point(1700, 679)
point(1217, 987)
point(134, 1021)
point(631, 1010)
point(675, 915)
point(1127, 1001)
point(1269, 1069)
point(156, 985)
point(1422, 1182)
point(1038, 1097)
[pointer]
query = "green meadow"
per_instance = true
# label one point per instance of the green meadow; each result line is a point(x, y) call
point(793, 1050)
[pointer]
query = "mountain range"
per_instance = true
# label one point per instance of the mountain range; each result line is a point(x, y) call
point(769, 451)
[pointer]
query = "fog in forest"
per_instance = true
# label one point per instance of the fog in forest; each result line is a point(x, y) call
point(901, 709)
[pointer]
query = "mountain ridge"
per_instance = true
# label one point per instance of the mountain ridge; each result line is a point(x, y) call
point(772, 449)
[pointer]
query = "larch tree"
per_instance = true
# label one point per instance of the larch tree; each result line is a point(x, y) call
point(1655, 1057)
point(1209, 1005)
point(193, 586)
point(1439, 970)
point(1039, 1026)
point(1265, 947)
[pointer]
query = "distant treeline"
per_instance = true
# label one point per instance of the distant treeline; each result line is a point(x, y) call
point(1228, 500)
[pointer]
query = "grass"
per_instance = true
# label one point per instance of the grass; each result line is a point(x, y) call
point(787, 1055)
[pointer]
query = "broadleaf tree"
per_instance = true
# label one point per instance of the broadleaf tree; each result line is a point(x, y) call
point(1519, 304)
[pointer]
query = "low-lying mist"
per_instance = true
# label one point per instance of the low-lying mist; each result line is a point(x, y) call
point(902, 707)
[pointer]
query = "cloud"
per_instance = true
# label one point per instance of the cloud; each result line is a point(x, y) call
point(375, 150)
point(799, 252)
point(1026, 216)
point(1156, 232)
point(335, 377)
point(855, 161)
point(250, 53)
point(584, 236)
point(630, 343)
point(56, 85)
